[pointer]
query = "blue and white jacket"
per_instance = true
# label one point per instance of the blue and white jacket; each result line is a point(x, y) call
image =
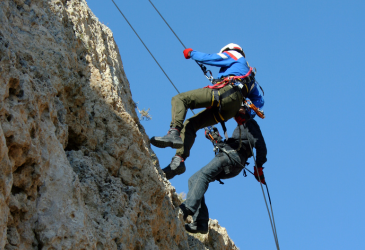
point(232, 63)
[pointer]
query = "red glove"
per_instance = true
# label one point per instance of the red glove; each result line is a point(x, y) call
point(260, 173)
point(242, 116)
point(240, 119)
point(187, 53)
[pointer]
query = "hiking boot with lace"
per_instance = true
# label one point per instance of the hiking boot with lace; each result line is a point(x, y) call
point(172, 139)
point(176, 167)
point(197, 227)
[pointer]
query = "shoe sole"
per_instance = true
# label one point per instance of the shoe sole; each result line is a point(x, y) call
point(165, 144)
point(172, 173)
point(195, 231)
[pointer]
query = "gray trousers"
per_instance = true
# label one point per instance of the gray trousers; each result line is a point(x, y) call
point(221, 167)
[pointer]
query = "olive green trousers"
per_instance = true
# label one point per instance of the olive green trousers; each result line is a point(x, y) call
point(200, 98)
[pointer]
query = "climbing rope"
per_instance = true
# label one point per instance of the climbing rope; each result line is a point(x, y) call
point(146, 47)
point(168, 24)
point(202, 67)
point(272, 221)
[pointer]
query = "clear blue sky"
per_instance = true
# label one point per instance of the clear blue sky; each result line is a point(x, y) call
point(309, 57)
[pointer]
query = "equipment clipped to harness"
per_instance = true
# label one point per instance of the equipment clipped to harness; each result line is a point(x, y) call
point(205, 71)
point(212, 134)
point(249, 104)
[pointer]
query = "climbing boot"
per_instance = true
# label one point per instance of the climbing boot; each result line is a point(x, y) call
point(176, 167)
point(172, 139)
point(185, 211)
point(197, 227)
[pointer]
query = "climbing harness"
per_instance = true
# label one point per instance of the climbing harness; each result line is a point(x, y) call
point(239, 84)
point(216, 106)
point(231, 80)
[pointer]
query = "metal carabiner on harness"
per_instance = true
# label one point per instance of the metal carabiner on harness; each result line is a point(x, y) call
point(205, 71)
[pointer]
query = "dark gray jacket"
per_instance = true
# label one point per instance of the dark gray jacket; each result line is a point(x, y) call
point(250, 131)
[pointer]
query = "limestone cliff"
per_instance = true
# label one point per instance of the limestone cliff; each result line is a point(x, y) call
point(77, 170)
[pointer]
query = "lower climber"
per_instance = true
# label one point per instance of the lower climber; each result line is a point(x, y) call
point(223, 166)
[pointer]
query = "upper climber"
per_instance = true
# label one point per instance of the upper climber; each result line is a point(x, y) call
point(222, 101)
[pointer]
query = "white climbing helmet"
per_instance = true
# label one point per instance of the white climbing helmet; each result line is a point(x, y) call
point(232, 46)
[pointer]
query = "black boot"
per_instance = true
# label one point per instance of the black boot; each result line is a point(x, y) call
point(197, 227)
point(176, 167)
point(186, 211)
point(172, 139)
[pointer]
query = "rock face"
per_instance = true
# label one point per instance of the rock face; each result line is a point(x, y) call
point(77, 170)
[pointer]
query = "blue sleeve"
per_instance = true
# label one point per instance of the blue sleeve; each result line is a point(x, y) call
point(219, 60)
point(257, 99)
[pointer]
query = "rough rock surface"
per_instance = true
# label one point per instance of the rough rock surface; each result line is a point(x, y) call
point(77, 171)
